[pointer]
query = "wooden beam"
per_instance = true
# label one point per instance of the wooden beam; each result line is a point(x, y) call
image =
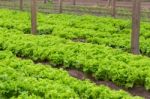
point(33, 17)
point(97, 2)
point(135, 27)
point(113, 8)
point(45, 1)
point(108, 3)
point(74, 2)
point(21, 4)
point(60, 6)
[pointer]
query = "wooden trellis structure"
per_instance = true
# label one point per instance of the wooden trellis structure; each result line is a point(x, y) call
point(135, 20)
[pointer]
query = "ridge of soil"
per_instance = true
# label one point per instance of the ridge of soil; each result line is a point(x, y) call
point(135, 91)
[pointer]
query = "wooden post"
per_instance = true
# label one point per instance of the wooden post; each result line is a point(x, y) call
point(45, 1)
point(74, 2)
point(108, 3)
point(21, 4)
point(135, 27)
point(97, 2)
point(113, 8)
point(60, 6)
point(33, 17)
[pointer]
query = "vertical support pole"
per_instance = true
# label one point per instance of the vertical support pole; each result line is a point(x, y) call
point(33, 17)
point(113, 8)
point(74, 2)
point(98, 2)
point(108, 3)
point(21, 4)
point(60, 6)
point(45, 1)
point(135, 27)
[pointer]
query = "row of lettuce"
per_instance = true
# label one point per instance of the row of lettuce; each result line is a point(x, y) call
point(104, 31)
point(102, 62)
point(22, 79)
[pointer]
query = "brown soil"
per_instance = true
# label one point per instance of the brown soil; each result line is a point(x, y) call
point(136, 91)
point(79, 40)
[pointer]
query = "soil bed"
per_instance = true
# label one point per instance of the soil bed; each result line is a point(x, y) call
point(135, 91)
